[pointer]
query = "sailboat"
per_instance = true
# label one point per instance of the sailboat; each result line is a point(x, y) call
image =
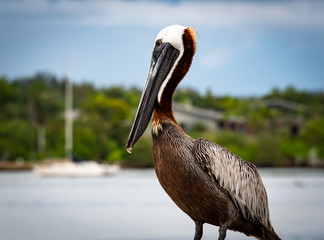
point(68, 167)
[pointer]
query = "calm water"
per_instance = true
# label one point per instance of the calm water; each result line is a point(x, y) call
point(132, 205)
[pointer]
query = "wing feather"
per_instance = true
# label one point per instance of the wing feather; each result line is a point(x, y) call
point(237, 177)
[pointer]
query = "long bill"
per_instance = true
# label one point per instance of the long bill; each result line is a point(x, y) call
point(163, 59)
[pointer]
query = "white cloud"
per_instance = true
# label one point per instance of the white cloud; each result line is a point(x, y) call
point(223, 56)
point(218, 58)
point(151, 13)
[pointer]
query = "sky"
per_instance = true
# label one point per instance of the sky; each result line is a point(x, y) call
point(244, 48)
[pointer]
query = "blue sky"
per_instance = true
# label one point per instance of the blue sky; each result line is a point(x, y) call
point(244, 47)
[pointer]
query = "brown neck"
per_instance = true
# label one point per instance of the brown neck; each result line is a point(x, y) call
point(163, 109)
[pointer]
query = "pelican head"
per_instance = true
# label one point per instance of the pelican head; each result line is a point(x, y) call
point(171, 58)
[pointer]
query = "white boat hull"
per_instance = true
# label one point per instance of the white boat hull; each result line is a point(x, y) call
point(71, 169)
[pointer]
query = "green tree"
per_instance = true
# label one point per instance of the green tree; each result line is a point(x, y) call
point(17, 140)
point(313, 134)
point(105, 120)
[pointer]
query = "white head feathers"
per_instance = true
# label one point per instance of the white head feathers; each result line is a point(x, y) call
point(172, 34)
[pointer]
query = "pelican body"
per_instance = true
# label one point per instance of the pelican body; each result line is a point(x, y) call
point(205, 180)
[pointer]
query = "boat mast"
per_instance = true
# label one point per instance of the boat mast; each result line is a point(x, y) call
point(68, 112)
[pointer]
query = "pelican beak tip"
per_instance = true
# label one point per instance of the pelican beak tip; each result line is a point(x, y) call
point(129, 150)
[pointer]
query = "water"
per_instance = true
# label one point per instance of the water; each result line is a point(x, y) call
point(132, 205)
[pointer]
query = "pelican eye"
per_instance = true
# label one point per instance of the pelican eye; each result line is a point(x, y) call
point(157, 49)
point(158, 43)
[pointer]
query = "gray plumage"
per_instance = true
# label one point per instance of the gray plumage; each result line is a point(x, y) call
point(236, 176)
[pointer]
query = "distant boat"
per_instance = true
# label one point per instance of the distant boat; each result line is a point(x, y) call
point(71, 166)
point(72, 169)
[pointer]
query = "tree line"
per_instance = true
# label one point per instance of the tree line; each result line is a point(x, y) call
point(32, 123)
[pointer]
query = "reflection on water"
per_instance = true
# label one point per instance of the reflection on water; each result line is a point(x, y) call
point(132, 205)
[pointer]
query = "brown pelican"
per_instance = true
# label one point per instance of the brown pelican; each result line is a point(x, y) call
point(206, 180)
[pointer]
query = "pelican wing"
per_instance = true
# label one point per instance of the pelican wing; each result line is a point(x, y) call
point(239, 178)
